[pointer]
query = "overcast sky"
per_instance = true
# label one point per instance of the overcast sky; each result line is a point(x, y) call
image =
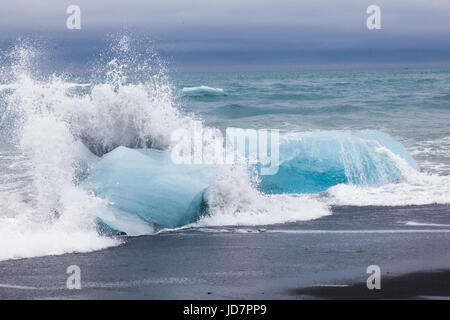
point(244, 33)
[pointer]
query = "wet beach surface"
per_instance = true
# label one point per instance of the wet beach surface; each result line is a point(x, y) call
point(324, 258)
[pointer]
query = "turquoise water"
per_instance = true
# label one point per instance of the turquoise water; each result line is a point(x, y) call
point(409, 104)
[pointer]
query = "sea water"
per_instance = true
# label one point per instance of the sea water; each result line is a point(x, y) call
point(85, 159)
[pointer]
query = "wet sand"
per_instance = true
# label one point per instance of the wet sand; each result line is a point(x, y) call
point(419, 285)
point(319, 259)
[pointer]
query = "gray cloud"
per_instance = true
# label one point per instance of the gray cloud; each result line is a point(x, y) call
point(399, 16)
point(217, 28)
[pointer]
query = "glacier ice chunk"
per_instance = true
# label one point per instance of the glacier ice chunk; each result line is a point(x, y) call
point(144, 184)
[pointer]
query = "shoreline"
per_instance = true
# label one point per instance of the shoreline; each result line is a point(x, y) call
point(194, 264)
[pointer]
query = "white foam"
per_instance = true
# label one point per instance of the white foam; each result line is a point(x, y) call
point(415, 188)
point(7, 87)
point(425, 224)
point(233, 200)
point(26, 232)
point(368, 231)
point(202, 89)
point(436, 147)
point(22, 239)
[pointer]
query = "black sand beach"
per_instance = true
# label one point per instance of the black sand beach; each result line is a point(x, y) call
point(311, 260)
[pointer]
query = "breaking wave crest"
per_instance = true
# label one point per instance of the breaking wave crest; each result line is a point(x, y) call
point(202, 90)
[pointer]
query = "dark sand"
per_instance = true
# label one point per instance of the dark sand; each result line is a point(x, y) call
point(418, 285)
point(326, 258)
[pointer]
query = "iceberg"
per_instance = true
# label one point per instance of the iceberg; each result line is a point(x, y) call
point(311, 162)
point(144, 187)
point(145, 191)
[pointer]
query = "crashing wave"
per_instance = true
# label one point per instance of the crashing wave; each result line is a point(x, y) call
point(98, 162)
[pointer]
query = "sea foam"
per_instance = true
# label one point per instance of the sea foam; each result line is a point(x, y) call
point(202, 90)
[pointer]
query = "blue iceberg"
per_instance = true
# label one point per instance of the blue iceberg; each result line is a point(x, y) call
point(311, 162)
point(146, 191)
point(143, 185)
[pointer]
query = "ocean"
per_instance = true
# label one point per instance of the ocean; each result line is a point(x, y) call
point(86, 175)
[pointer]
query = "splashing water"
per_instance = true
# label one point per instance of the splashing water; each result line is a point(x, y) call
point(57, 131)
